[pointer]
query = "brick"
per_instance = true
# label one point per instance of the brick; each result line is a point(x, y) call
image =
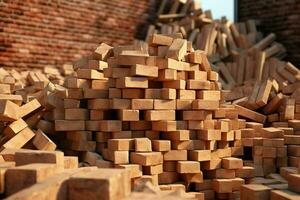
point(89, 74)
point(65, 125)
point(200, 155)
point(8, 111)
point(255, 192)
point(164, 125)
point(144, 70)
point(177, 49)
point(153, 170)
point(33, 156)
point(120, 144)
point(271, 132)
point(232, 163)
point(42, 142)
point(20, 139)
point(142, 145)
point(147, 158)
point(164, 104)
point(244, 112)
point(14, 128)
point(135, 170)
point(180, 135)
point(128, 115)
point(51, 187)
point(222, 185)
point(200, 104)
point(198, 85)
point(156, 115)
point(29, 107)
point(168, 93)
point(293, 182)
point(100, 184)
point(188, 167)
point(175, 155)
point(158, 39)
point(209, 95)
point(18, 178)
point(161, 145)
point(142, 104)
point(70, 162)
point(132, 82)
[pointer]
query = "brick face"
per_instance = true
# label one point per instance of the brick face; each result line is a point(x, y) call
point(278, 16)
point(35, 33)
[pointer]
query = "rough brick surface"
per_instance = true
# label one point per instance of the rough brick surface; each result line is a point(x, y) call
point(39, 33)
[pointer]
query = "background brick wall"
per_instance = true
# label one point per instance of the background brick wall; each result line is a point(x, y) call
point(35, 33)
point(279, 16)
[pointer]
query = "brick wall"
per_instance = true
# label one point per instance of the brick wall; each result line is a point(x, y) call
point(279, 16)
point(35, 33)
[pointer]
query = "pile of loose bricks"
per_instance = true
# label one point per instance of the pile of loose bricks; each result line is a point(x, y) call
point(160, 119)
point(156, 113)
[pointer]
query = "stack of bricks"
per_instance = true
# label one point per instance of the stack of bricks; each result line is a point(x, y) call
point(158, 112)
point(267, 146)
point(276, 186)
point(84, 101)
point(27, 101)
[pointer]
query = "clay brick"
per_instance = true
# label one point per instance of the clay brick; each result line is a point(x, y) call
point(8, 111)
point(20, 139)
point(132, 82)
point(42, 142)
point(153, 170)
point(255, 192)
point(143, 70)
point(65, 125)
point(18, 178)
point(142, 104)
point(100, 184)
point(158, 39)
point(161, 145)
point(128, 115)
point(156, 115)
point(200, 155)
point(89, 74)
point(222, 185)
point(200, 104)
point(142, 145)
point(134, 170)
point(70, 162)
point(180, 135)
point(164, 125)
point(175, 155)
point(177, 49)
point(33, 156)
point(14, 128)
point(120, 144)
point(293, 181)
point(188, 167)
point(146, 159)
point(164, 104)
point(232, 163)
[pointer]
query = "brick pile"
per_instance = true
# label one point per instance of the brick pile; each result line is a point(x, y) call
point(156, 110)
